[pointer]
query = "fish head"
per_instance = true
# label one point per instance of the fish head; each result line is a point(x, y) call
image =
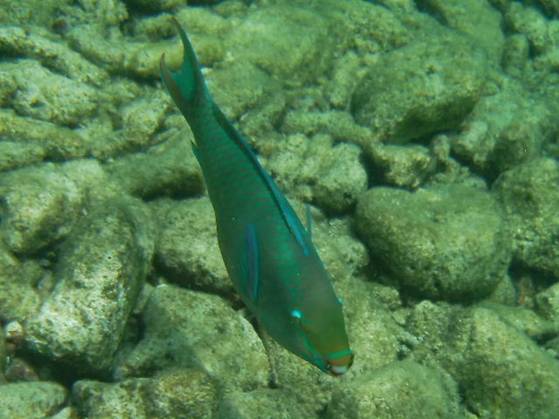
point(321, 324)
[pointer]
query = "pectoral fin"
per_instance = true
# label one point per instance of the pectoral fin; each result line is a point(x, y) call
point(252, 264)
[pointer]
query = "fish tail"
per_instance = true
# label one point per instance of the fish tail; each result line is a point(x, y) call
point(186, 86)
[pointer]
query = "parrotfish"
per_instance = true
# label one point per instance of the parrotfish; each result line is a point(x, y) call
point(268, 253)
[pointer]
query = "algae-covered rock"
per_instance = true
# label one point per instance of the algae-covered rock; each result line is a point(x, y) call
point(100, 271)
point(188, 329)
point(504, 130)
point(525, 320)
point(2, 356)
point(550, 6)
point(240, 87)
point(530, 197)
point(167, 169)
point(105, 400)
point(424, 87)
point(404, 166)
point(260, 403)
point(20, 297)
point(446, 242)
point(39, 399)
point(547, 303)
point(402, 389)
point(157, 5)
point(515, 370)
point(44, 139)
point(29, 12)
point(15, 154)
point(140, 118)
point(44, 95)
point(332, 176)
point(134, 56)
point(51, 53)
point(344, 256)
point(337, 124)
point(182, 393)
point(496, 365)
point(186, 248)
point(522, 18)
point(175, 393)
point(290, 42)
point(39, 206)
point(367, 26)
point(475, 18)
point(373, 332)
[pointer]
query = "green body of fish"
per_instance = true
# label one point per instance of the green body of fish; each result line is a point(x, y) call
point(268, 253)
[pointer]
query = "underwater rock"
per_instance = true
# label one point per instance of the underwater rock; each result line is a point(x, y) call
point(547, 303)
point(337, 124)
point(39, 206)
point(15, 154)
point(157, 5)
point(403, 166)
point(525, 320)
point(119, 56)
point(550, 6)
point(142, 117)
point(189, 329)
point(51, 52)
point(135, 57)
point(475, 18)
point(261, 403)
point(425, 87)
point(446, 242)
point(100, 271)
point(241, 87)
point(400, 389)
point(502, 387)
point(504, 130)
point(530, 198)
point(20, 297)
point(186, 248)
point(373, 331)
point(265, 38)
point(182, 392)
point(344, 256)
point(44, 95)
point(2, 355)
point(44, 139)
point(108, 400)
point(331, 176)
point(342, 84)
point(497, 367)
point(175, 393)
point(529, 21)
point(370, 26)
point(37, 399)
point(167, 169)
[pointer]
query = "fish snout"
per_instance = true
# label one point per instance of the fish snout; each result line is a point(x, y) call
point(340, 364)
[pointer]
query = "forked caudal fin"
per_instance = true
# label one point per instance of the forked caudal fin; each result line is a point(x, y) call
point(186, 86)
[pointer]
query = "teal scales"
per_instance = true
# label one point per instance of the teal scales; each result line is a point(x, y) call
point(268, 253)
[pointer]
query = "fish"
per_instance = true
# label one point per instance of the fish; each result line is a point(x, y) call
point(268, 253)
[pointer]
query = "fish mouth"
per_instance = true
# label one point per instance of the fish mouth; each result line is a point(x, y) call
point(338, 370)
point(340, 363)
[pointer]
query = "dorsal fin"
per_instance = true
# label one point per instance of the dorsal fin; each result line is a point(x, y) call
point(309, 220)
point(288, 215)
